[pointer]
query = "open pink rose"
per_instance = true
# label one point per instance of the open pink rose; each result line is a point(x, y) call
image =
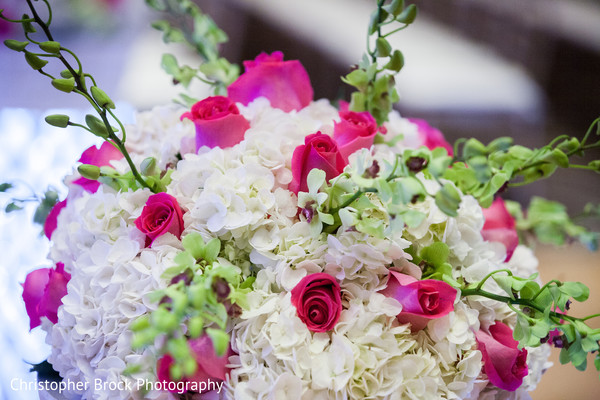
point(499, 227)
point(210, 367)
point(284, 83)
point(503, 363)
point(43, 291)
point(356, 130)
point(218, 122)
point(160, 215)
point(421, 301)
point(52, 218)
point(318, 151)
point(318, 301)
point(430, 136)
point(100, 157)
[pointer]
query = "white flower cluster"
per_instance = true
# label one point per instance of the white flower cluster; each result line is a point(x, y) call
point(240, 196)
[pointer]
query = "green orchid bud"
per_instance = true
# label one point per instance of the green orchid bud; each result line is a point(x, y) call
point(164, 321)
point(89, 171)
point(148, 166)
point(102, 98)
point(27, 25)
point(15, 44)
point(395, 7)
point(190, 366)
point(409, 15)
point(58, 120)
point(96, 126)
point(50, 46)
point(396, 61)
point(195, 326)
point(34, 61)
point(64, 85)
point(220, 340)
point(384, 48)
point(595, 165)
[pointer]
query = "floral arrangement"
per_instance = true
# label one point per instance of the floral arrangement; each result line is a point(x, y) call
point(262, 244)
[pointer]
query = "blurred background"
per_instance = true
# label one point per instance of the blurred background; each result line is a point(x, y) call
point(529, 69)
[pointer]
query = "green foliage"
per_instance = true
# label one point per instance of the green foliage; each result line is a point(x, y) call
point(204, 291)
point(199, 31)
point(374, 76)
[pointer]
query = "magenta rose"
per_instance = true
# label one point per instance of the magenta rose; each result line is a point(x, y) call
point(499, 227)
point(430, 136)
point(421, 301)
point(100, 157)
point(43, 291)
point(284, 83)
point(160, 215)
point(503, 363)
point(318, 301)
point(52, 218)
point(318, 151)
point(218, 122)
point(356, 130)
point(210, 367)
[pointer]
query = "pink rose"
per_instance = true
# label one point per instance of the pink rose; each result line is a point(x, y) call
point(160, 215)
point(499, 227)
point(318, 301)
point(430, 136)
point(218, 122)
point(210, 367)
point(52, 218)
point(503, 363)
point(284, 83)
point(43, 291)
point(421, 300)
point(318, 151)
point(356, 130)
point(100, 157)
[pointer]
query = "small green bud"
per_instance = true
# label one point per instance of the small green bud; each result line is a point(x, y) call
point(96, 126)
point(148, 166)
point(195, 326)
point(66, 74)
point(164, 321)
point(27, 25)
point(408, 15)
point(89, 171)
point(220, 340)
point(190, 366)
point(140, 324)
point(384, 48)
point(395, 7)
point(64, 85)
point(50, 46)
point(102, 98)
point(396, 61)
point(15, 44)
point(58, 120)
point(34, 61)
point(595, 165)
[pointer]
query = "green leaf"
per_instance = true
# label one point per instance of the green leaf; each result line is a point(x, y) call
point(50, 47)
point(97, 127)
point(212, 249)
point(448, 200)
point(5, 186)
point(194, 244)
point(15, 44)
point(57, 120)
point(64, 85)
point(11, 207)
point(34, 61)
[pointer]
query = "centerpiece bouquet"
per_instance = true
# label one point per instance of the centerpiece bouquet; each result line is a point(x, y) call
point(261, 244)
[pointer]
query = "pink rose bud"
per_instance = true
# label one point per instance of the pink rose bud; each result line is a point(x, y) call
point(421, 301)
point(503, 363)
point(52, 218)
point(43, 291)
point(318, 301)
point(99, 157)
point(356, 130)
point(284, 83)
point(210, 367)
point(430, 136)
point(318, 151)
point(160, 215)
point(218, 122)
point(499, 227)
